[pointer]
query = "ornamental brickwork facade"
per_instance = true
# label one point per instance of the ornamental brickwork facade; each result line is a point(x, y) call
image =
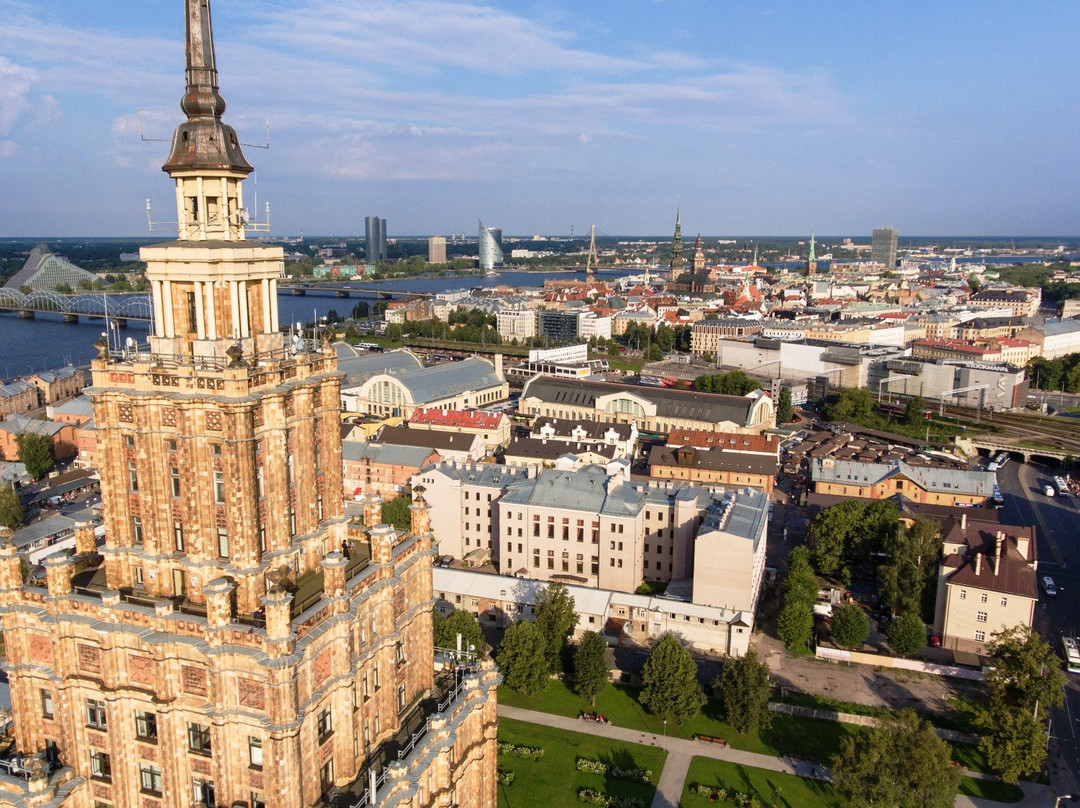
point(237, 640)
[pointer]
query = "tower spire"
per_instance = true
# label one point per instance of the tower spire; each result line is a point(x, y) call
point(203, 142)
point(590, 261)
point(678, 263)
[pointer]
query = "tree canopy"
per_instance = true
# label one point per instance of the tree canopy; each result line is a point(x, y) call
point(734, 383)
point(849, 534)
point(907, 634)
point(1025, 681)
point(744, 692)
point(590, 666)
point(11, 510)
point(785, 412)
point(396, 512)
point(850, 626)
point(555, 620)
point(670, 687)
point(901, 763)
point(906, 580)
point(457, 622)
point(521, 658)
point(795, 624)
point(36, 453)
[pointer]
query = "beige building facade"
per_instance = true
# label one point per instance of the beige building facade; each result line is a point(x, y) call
point(237, 641)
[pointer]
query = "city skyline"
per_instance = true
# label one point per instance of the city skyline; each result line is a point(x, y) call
point(936, 121)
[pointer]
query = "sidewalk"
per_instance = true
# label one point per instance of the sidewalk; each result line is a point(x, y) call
point(680, 752)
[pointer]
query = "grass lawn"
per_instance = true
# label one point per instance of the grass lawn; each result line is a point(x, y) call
point(554, 781)
point(772, 788)
point(990, 790)
point(787, 734)
point(632, 365)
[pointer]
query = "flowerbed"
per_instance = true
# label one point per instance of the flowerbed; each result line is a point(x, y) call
point(527, 752)
point(721, 794)
point(505, 776)
point(594, 797)
point(596, 767)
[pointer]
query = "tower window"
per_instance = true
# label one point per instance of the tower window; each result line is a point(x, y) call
point(178, 536)
point(219, 487)
point(95, 714)
point(255, 752)
point(174, 481)
point(191, 311)
point(325, 724)
point(223, 542)
point(100, 766)
point(145, 726)
point(133, 478)
point(136, 529)
point(150, 779)
point(199, 738)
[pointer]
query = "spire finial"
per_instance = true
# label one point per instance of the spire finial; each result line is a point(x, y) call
point(203, 141)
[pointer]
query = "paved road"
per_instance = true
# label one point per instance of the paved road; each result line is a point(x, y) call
point(680, 752)
point(1057, 523)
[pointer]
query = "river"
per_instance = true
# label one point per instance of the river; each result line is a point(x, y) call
point(44, 343)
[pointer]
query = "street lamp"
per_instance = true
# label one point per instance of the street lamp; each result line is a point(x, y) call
point(1057, 800)
point(665, 727)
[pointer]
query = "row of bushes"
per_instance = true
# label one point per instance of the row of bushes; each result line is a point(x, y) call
point(527, 752)
point(596, 767)
point(504, 776)
point(594, 797)
point(721, 794)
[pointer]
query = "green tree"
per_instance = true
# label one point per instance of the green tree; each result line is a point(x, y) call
point(396, 512)
point(394, 332)
point(795, 626)
point(521, 658)
point(833, 532)
point(670, 687)
point(446, 630)
point(850, 626)
point(800, 583)
point(63, 288)
point(913, 411)
point(901, 763)
point(907, 634)
point(851, 404)
point(36, 453)
point(590, 666)
point(361, 310)
point(744, 693)
point(1024, 681)
point(655, 353)
point(11, 510)
point(785, 413)
point(555, 620)
point(906, 579)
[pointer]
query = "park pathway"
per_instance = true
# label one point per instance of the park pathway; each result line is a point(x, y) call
point(681, 751)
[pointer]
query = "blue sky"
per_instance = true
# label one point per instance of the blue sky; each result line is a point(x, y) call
point(757, 118)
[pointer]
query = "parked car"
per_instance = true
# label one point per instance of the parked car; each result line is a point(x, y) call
point(1048, 586)
point(1048, 490)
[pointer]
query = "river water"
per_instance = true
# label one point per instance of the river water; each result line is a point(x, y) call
point(44, 343)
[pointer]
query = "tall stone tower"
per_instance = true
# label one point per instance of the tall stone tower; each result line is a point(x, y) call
point(678, 262)
point(811, 260)
point(236, 640)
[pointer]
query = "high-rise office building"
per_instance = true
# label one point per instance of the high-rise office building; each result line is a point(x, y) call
point(490, 248)
point(883, 247)
point(436, 250)
point(375, 238)
point(237, 640)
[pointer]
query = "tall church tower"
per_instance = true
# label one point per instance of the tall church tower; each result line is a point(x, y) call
point(678, 263)
point(699, 256)
point(236, 640)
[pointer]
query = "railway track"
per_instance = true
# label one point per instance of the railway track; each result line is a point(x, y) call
point(1043, 429)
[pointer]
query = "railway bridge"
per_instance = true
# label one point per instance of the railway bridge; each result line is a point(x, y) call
point(117, 306)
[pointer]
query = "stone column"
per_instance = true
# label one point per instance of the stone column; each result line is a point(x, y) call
point(275, 323)
point(333, 565)
point(85, 543)
point(59, 569)
point(382, 544)
point(266, 327)
point(245, 326)
point(167, 304)
point(372, 510)
point(200, 315)
point(10, 572)
point(159, 309)
point(211, 315)
point(218, 595)
point(277, 604)
point(234, 305)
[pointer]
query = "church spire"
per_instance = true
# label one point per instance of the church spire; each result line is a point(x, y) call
point(811, 261)
point(678, 263)
point(203, 142)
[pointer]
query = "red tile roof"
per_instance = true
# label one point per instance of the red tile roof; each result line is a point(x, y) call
point(471, 419)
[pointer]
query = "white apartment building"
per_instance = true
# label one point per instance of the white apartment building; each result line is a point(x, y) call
point(591, 325)
point(519, 324)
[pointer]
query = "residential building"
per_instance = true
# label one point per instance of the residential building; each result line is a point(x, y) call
point(78, 411)
point(57, 385)
point(883, 247)
point(623, 437)
point(926, 485)
point(436, 250)
point(18, 397)
point(715, 466)
point(1054, 338)
point(1019, 302)
point(987, 582)
point(237, 640)
point(557, 326)
point(380, 468)
point(651, 409)
point(705, 336)
point(460, 446)
point(62, 435)
point(592, 325)
point(954, 349)
point(539, 452)
point(519, 324)
point(492, 427)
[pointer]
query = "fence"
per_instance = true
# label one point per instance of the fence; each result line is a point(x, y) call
point(860, 720)
point(918, 666)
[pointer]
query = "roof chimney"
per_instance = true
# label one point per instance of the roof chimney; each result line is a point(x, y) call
point(978, 562)
point(963, 521)
point(999, 544)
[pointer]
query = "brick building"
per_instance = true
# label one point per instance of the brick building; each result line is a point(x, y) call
point(237, 641)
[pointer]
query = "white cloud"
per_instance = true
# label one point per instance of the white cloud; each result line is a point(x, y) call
point(15, 83)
